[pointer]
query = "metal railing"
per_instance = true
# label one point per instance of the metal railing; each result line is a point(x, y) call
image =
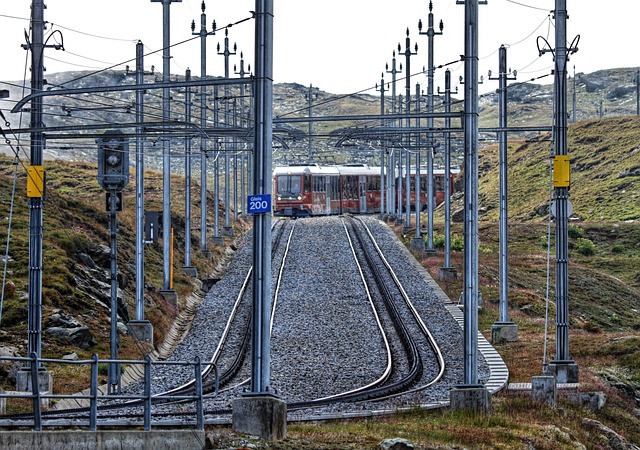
point(39, 418)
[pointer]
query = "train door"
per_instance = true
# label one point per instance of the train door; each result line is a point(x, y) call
point(362, 189)
point(328, 195)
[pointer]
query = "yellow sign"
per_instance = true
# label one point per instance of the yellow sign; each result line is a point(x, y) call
point(561, 171)
point(35, 181)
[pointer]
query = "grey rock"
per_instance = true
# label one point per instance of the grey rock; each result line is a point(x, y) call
point(78, 337)
point(396, 444)
point(8, 369)
point(592, 400)
point(62, 320)
point(616, 442)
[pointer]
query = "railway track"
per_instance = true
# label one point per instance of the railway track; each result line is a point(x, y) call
point(394, 356)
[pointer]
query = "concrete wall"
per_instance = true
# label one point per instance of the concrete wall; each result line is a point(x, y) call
point(103, 440)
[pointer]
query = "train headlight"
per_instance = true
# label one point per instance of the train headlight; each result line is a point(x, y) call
point(279, 198)
point(299, 197)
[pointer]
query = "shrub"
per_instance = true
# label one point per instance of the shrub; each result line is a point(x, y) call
point(457, 243)
point(585, 246)
point(544, 242)
point(438, 240)
point(617, 249)
point(575, 231)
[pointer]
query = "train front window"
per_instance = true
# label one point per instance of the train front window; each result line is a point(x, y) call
point(289, 186)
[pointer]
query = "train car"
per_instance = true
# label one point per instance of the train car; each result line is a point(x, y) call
point(306, 190)
point(311, 190)
point(438, 187)
point(359, 188)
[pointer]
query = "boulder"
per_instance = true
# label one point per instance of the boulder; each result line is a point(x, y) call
point(396, 444)
point(78, 336)
point(8, 369)
point(616, 442)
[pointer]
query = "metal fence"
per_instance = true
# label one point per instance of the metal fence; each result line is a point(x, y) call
point(37, 418)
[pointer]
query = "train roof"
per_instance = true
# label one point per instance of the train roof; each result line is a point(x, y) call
point(313, 169)
point(358, 169)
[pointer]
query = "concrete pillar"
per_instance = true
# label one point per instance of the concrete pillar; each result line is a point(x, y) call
point(502, 332)
point(190, 271)
point(3, 403)
point(543, 389)
point(417, 244)
point(141, 330)
point(260, 415)
point(217, 241)
point(171, 296)
point(447, 274)
point(23, 381)
point(473, 398)
point(563, 371)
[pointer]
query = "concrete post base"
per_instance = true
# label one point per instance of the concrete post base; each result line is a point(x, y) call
point(141, 330)
point(206, 254)
point(260, 415)
point(227, 231)
point(171, 296)
point(502, 332)
point(543, 389)
point(190, 271)
point(23, 381)
point(217, 241)
point(473, 398)
point(447, 274)
point(430, 252)
point(563, 371)
point(417, 244)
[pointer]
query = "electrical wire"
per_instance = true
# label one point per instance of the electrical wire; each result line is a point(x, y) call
point(6, 253)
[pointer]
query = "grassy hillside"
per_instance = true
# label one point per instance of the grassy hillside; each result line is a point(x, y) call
point(76, 260)
point(605, 173)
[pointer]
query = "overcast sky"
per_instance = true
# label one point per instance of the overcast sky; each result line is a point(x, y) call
point(339, 46)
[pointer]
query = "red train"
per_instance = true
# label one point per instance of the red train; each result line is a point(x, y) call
point(308, 190)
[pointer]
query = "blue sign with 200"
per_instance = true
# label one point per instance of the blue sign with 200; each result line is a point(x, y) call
point(257, 204)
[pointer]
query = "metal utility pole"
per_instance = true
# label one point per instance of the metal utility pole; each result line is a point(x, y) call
point(204, 157)
point(408, 54)
point(35, 193)
point(235, 160)
point(217, 239)
point(188, 267)
point(399, 177)
point(139, 184)
point(470, 395)
point(563, 367)
point(244, 122)
point(260, 412)
point(140, 328)
point(227, 229)
point(261, 340)
point(313, 92)
point(383, 150)
point(166, 145)
point(471, 194)
point(503, 330)
point(391, 193)
point(447, 272)
point(431, 146)
point(417, 243)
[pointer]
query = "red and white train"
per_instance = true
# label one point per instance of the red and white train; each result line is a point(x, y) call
point(309, 190)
